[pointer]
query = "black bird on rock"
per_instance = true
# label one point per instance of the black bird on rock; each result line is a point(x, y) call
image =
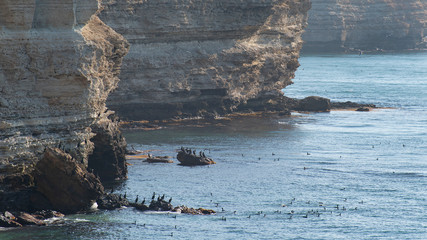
point(154, 195)
point(136, 199)
point(170, 200)
point(143, 201)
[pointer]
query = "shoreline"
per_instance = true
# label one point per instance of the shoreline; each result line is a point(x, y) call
point(200, 121)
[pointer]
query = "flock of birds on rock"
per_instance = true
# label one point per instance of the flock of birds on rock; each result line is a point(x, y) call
point(192, 152)
point(153, 200)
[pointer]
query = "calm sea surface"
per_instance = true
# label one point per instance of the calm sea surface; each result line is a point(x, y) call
point(337, 175)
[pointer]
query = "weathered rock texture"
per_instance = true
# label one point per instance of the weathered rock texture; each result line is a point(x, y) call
point(64, 183)
point(58, 64)
point(369, 25)
point(190, 57)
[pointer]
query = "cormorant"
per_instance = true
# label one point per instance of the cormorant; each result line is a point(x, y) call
point(194, 152)
point(124, 195)
point(136, 199)
point(154, 195)
point(200, 153)
point(170, 200)
point(120, 197)
point(203, 155)
point(143, 201)
point(163, 197)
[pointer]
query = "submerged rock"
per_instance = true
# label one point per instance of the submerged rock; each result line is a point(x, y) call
point(192, 211)
point(158, 159)
point(351, 105)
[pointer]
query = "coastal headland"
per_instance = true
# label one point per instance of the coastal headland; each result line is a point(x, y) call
point(59, 77)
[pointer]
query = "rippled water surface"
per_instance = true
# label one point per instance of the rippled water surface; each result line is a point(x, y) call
point(338, 175)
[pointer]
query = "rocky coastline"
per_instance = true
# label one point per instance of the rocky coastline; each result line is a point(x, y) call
point(203, 57)
point(59, 63)
point(60, 143)
point(262, 107)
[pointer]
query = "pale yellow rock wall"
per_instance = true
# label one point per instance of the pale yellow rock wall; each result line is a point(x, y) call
point(59, 63)
point(194, 55)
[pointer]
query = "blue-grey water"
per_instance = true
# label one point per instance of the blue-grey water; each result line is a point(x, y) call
point(337, 175)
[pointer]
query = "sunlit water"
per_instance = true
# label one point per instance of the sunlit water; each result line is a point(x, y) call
point(343, 175)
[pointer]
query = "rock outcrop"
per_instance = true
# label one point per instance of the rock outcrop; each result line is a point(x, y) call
point(343, 25)
point(198, 57)
point(59, 63)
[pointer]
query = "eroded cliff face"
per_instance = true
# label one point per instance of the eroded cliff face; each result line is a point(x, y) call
point(59, 63)
point(192, 57)
point(344, 25)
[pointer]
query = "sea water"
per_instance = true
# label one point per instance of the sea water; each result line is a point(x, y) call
point(337, 175)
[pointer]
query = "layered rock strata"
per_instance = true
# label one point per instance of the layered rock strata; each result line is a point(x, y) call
point(59, 63)
point(197, 57)
point(343, 25)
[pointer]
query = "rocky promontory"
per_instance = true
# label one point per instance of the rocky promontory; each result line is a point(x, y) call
point(59, 63)
point(366, 25)
point(198, 57)
point(61, 60)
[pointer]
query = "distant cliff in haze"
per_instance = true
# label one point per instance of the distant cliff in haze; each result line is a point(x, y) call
point(344, 25)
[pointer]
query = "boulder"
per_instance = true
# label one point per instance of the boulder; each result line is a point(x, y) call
point(8, 220)
point(192, 211)
point(112, 201)
point(65, 183)
point(160, 205)
point(28, 219)
point(314, 104)
point(191, 159)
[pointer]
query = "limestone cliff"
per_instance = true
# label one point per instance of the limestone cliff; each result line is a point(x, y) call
point(191, 57)
point(59, 63)
point(344, 25)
